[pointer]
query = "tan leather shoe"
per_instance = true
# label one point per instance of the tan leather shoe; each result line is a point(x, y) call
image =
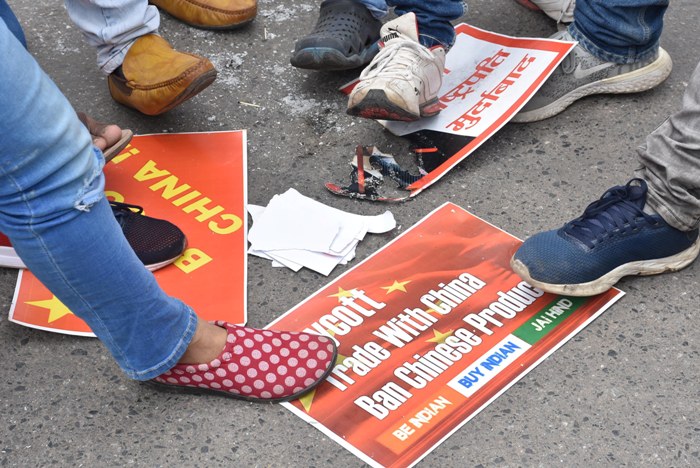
point(211, 14)
point(157, 78)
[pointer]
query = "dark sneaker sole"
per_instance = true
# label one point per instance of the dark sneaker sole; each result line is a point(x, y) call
point(635, 81)
point(607, 281)
point(376, 105)
point(327, 59)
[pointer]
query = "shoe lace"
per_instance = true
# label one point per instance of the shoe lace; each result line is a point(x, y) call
point(395, 58)
point(122, 210)
point(619, 209)
point(569, 63)
point(566, 7)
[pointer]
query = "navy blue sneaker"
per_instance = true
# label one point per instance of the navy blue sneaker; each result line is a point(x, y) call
point(613, 238)
point(156, 242)
point(345, 37)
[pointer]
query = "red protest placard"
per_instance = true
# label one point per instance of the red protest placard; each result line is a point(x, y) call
point(431, 329)
point(196, 181)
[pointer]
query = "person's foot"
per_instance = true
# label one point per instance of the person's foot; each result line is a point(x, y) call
point(108, 138)
point(561, 11)
point(581, 74)
point(345, 37)
point(156, 242)
point(211, 14)
point(154, 78)
point(403, 80)
point(207, 343)
point(613, 238)
point(255, 365)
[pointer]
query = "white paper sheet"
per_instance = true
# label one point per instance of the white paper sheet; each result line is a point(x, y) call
point(296, 231)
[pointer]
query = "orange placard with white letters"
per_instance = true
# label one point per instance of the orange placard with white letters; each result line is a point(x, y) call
point(196, 181)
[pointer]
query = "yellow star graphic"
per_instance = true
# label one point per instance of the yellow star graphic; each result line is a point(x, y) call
point(341, 293)
point(433, 311)
point(308, 399)
point(396, 287)
point(56, 308)
point(439, 337)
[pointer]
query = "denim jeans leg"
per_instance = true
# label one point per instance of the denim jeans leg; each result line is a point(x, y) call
point(620, 31)
point(378, 8)
point(111, 26)
point(7, 15)
point(671, 162)
point(52, 207)
point(433, 17)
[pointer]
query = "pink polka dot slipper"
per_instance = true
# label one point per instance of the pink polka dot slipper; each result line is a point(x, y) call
point(258, 365)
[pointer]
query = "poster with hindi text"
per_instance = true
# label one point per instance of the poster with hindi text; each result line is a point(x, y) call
point(488, 78)
point(431, 329)
point(196, 181)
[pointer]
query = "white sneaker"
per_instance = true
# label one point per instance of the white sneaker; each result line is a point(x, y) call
point(561, 11)
point(403, 79)
point(8, 255)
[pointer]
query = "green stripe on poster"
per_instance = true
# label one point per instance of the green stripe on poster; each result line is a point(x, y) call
point(551, 316)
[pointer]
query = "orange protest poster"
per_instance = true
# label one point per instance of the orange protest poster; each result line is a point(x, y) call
point(431, 329)
point(196, 181)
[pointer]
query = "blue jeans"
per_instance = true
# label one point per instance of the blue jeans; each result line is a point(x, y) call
point(620, 31)
point(111, 26)
point(52, 207)
point(433, 17)
point(7, 15)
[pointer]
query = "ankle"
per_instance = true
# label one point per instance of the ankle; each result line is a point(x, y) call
point(207, 344)
point(119, 72)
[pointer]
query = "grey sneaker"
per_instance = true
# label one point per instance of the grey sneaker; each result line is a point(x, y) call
point(581, 74)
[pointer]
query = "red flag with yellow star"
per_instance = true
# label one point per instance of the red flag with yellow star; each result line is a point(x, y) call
point(431, 329)
point(196, 181)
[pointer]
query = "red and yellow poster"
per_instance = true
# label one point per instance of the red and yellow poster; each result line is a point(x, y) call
point(431, 329)
point(196, 181)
